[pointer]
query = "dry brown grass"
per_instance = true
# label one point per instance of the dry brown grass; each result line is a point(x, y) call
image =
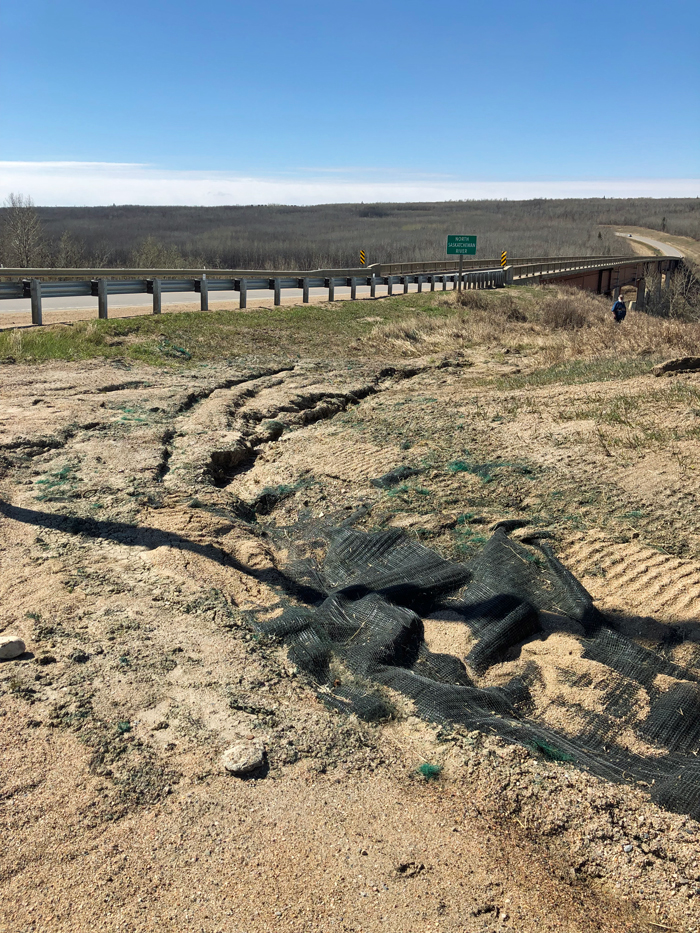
point(553, 322)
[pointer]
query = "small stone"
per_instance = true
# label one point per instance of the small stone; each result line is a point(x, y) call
point(627, 848)
point(11, 646)
point(243, 757)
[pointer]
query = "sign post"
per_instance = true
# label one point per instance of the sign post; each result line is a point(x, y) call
point(461, 245)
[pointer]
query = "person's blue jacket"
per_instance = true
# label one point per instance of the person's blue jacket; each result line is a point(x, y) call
point(619, 309)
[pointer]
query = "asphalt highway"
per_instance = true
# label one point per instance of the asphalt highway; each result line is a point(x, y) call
point(665, 249)
point(255, 299)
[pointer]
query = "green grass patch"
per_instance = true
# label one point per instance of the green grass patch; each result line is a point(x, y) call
point(486, 471)
point(429, 772)
point(549, 751)
point(190, 337)
point(58, 485)
point(576, 372)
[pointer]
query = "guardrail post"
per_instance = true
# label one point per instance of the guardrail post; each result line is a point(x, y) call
point(432, 283)
point(405, 284)
point(420, 283)
point(373, 286)
point(243, 290)
point(35, 286)
point(305, 290)
point(157, 304)
point(278, 292)
point(102, 299)
point(203, 294)
point(331, 288)
point(390, 284)
point(352, 282)
point(444, 283)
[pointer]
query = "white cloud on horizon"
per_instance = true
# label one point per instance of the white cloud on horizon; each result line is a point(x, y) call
point(98, 183)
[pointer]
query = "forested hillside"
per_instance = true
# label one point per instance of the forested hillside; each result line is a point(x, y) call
point(278, 236)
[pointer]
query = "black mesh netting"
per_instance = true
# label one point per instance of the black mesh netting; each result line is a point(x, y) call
point(622, 710)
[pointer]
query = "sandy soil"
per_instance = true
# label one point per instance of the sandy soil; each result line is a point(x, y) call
point(130, 572)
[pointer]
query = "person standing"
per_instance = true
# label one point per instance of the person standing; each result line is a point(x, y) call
point(619, 310)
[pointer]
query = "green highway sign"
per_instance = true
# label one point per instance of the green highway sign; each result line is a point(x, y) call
point(461, 245)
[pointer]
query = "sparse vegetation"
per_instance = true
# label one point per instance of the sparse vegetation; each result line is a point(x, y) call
point(558, 327)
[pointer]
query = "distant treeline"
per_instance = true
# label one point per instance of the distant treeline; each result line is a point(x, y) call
point(331, 235)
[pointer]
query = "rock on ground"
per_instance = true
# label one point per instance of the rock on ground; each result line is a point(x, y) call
point(243, 758)
point(11, 646)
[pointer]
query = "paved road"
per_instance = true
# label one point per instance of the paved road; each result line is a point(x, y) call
point(665, 249)
point(17, 313)
point(255, 299)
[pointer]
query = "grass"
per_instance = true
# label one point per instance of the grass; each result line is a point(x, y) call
point(549, 751)
point(575, 372)
point(58, 485)
point(327, 330)
point(429, 772)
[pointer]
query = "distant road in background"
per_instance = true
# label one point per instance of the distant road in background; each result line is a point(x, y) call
point(662, 245)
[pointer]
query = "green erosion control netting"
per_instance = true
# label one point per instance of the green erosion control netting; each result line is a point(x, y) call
point(619, 709)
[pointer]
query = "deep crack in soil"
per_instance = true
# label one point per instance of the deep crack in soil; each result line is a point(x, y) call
point(143, 529)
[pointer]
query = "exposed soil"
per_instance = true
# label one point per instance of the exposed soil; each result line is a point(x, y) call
point(137, 508)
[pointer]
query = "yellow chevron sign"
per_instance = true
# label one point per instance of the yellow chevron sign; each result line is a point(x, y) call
point(363, 258)
point(504, 258)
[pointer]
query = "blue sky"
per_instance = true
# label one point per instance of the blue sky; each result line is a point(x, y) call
point(218, 102)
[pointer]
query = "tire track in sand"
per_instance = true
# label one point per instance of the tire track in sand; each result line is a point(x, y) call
point(633, 577)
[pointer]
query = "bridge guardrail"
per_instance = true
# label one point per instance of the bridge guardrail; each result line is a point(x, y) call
point(156, 282)
point(553, 267)
point(35, 289)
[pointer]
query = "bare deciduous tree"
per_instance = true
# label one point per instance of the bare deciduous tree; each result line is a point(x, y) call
point(22, 235)
point(151, 254)
point(70, 253)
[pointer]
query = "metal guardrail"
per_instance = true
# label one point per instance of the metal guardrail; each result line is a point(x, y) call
point(554, 267)
point(37, 284)
point(398, 268)
point(116, 273)
point(35, 289)
point(391, 268)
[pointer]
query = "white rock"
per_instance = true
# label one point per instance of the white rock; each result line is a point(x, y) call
point(11, 646)
point(243, 757)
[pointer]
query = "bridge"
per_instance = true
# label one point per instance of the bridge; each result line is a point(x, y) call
point(601, 274)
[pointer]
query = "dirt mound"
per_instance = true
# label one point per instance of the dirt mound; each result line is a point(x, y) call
point(134, 564)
